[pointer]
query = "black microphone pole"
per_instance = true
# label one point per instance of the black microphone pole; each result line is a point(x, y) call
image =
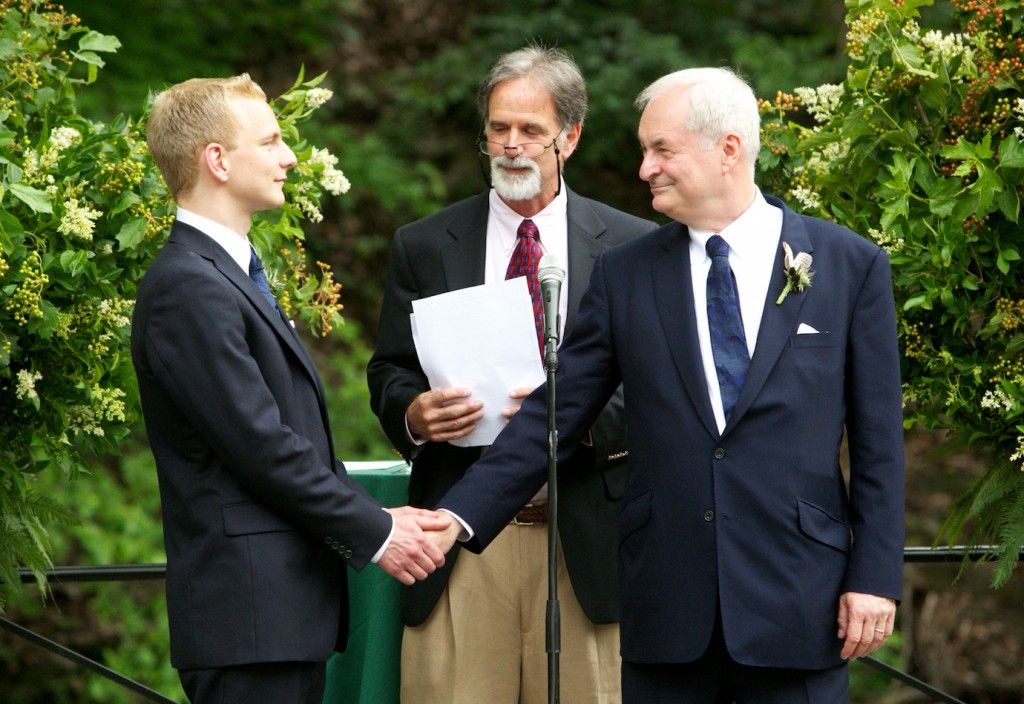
point(550, 275)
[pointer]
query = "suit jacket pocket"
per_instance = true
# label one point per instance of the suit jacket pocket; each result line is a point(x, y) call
point(819, 525)
point(250, 518)
point(819, 339)
point(635, 514)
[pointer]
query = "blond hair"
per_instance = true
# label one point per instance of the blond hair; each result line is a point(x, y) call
point(189, 116)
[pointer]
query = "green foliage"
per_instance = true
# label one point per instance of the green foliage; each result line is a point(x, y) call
point(82, 213)
point(920, 148)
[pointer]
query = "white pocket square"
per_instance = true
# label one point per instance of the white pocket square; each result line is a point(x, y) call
point(806, 329)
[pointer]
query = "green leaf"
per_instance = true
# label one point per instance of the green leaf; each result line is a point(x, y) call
point(1011, 153)
point(37, 200)
point(74, 262)
point(90, 58)
point(131, 234)
point(94, 41)
point(126, 200)
point(942, 196)
point(1009, 204)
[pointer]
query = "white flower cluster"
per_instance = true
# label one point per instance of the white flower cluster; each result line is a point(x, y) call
point(78, 220)
point(947, 47)
point(1018, 110)
point(886, 241)
point(308, 208)
point(26, 385)
point(994, 399)
point(63, 137)
point(821, 102)
point(1018, 456)
point(113, 310)
point(331, 178)
point(315, 97)
point(806, 197)
point(820, 163)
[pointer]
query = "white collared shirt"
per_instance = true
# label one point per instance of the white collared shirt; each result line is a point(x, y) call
point(237, 246)
point(502, 228)
point(753, 240)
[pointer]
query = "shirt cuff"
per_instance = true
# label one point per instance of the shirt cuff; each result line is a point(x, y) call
point(387, 542)
point(467, 532)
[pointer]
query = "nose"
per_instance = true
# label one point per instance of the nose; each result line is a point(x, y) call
point(288, 159)
point(648, 167)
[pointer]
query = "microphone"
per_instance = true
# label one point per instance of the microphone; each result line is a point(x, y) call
point(550, 274)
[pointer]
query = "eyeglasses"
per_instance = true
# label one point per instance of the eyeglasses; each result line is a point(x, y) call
point(531, 150)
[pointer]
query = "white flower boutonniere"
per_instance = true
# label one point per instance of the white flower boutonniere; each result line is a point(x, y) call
point(798, 272)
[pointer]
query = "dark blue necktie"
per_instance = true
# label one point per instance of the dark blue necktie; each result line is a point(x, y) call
point(728, 341)
point(259, 277)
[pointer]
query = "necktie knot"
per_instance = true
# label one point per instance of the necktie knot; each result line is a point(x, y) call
point(528, 228)
point(716, 247)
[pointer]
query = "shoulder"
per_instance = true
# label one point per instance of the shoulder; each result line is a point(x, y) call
point(465, 213)
point(615, 219)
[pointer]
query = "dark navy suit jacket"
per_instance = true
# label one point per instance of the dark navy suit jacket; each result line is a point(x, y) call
point(259, 518)
point(757, 519)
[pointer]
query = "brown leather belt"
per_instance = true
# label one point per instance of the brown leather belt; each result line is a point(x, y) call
point(530, 514)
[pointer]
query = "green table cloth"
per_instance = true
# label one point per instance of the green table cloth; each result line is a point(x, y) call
point(368, 671)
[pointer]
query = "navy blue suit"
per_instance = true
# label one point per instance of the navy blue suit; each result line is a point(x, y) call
point(260, 520)
point(757, 520)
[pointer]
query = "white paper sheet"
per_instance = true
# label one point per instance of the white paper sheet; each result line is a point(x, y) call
point(482, 338)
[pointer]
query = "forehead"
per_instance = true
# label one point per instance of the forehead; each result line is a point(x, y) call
point(664, 117)
point(253, 114)
point(522, 100)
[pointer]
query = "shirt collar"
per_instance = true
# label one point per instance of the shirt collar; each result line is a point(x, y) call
point(745, 234)
point(508, 220)
point(237, 246)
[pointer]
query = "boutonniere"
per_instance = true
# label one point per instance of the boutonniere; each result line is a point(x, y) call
point(797, 270)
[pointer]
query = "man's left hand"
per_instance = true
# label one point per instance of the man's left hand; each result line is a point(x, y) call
point(865, 622)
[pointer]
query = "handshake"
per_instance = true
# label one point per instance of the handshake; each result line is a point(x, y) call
point(419, 542)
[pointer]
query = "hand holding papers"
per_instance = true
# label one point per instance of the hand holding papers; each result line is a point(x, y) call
point(482, 338)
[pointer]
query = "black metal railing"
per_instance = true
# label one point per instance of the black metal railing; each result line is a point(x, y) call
point(135, 573)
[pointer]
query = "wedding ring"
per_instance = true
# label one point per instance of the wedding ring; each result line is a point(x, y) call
point(879, 630)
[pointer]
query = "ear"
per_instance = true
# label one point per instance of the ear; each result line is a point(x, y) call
point(732, 152)
point(214, 161)
point(569, 141)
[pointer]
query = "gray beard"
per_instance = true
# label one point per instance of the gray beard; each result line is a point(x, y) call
point(516, 187)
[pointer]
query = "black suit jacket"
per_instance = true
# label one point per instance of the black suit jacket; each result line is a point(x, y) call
point(756, 521)
point(256, 510)
point(445, 252)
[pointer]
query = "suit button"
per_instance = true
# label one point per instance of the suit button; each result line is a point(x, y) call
point(709, 515)
point(347, 554)
point(328, 540)
point(719, 453)
point(334, 545)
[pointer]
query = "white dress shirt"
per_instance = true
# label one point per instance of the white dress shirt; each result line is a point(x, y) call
point(754, 240)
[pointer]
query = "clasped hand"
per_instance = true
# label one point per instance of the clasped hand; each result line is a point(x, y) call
point(414, 550)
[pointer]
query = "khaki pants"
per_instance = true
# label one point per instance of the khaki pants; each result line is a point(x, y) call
point(484, 642)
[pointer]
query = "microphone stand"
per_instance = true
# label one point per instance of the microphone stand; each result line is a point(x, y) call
point(553, 618)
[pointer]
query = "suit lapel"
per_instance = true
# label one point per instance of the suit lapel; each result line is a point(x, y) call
point(673, 296)
point(584, 231)
point(205, 247)
point(778, 322)
point(464, 258)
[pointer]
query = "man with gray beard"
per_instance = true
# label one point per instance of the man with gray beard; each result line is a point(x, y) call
point(475, 629)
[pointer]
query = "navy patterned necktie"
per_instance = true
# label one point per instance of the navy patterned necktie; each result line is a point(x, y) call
point(525, 259)
point(259, 277)
point(728, 341)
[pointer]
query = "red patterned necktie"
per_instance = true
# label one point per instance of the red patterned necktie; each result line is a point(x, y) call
point(525, 259)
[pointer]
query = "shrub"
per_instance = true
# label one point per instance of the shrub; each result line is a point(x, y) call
point(920, 149)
